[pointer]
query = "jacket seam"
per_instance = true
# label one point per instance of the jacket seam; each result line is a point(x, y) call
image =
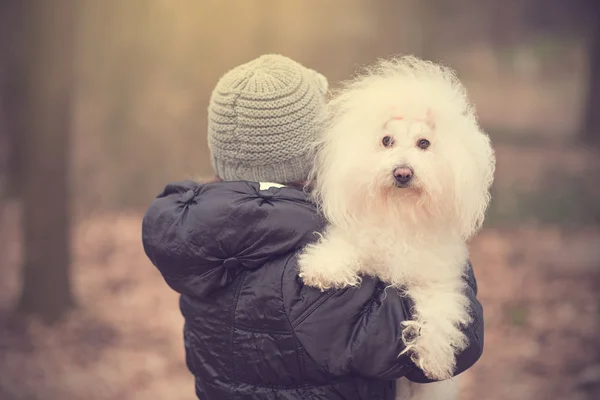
point(299, 348)
point(312, 309)
point(329, 383)
point(475, 324)
point(265, 331)
point(238, 290)
point(367, 309)
point(302, 318)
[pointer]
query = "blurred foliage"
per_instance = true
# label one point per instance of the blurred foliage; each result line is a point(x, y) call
point(567, 199)
point(517, 315)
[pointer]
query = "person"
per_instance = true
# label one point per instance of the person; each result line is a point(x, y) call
point(252, 329)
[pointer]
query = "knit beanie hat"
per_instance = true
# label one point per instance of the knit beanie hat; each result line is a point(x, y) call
point(261, 118)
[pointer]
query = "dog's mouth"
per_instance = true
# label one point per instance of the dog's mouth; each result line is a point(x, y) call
point(403, 185)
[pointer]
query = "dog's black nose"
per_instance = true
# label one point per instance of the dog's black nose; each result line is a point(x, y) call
point(403, 175)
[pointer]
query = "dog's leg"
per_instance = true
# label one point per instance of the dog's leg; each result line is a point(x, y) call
point(442, 390)
point(333, 262)
point(434, 336)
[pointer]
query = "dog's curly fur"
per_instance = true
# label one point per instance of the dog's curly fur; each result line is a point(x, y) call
point(412, 236)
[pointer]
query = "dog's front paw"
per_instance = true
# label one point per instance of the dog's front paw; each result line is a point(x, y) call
point(326, 271)
point(432, 350)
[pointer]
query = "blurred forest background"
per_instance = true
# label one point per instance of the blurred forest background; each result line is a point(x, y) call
point(103, 102)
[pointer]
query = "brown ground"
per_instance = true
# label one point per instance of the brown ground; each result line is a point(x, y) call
point(539, 287)
point(540, 290)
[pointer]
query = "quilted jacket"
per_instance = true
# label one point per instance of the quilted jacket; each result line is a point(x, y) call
point(252, 329)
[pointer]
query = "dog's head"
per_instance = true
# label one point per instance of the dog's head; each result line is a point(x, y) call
point(402, 140)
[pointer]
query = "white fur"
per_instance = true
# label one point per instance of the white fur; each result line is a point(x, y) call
point(442, 390)
point(415, 237)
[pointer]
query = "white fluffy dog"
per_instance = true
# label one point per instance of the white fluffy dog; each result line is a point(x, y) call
point(402, 174)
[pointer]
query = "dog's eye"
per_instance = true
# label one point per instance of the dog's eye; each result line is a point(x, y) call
point(423, 144)
point(387, 141)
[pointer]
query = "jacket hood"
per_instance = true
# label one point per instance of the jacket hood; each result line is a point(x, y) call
point(201, 236)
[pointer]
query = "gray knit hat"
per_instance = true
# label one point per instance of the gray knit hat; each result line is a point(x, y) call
point(261, 117)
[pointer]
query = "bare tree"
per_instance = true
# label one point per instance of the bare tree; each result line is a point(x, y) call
point(591, 126)
point(11, 88)
point(580, 17)
point(46, 119)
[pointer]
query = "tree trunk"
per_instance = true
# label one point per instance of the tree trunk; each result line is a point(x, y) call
point(591, 125)
point(11, 93)
point(46, 122)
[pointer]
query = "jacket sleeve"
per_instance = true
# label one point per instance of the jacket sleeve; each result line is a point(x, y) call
point(358, 331)
point(166, 233)
point(202, 236)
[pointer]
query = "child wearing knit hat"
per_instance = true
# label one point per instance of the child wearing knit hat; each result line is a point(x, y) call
point(262, 117)
point(252, 329)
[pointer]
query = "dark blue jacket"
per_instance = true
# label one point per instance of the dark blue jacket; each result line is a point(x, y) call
point(252, 329)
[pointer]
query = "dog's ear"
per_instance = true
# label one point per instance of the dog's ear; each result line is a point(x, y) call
point(474, 165)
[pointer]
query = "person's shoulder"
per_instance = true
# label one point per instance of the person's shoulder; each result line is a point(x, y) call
point(193, 229)
point(223, 194)
point(255, 199)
